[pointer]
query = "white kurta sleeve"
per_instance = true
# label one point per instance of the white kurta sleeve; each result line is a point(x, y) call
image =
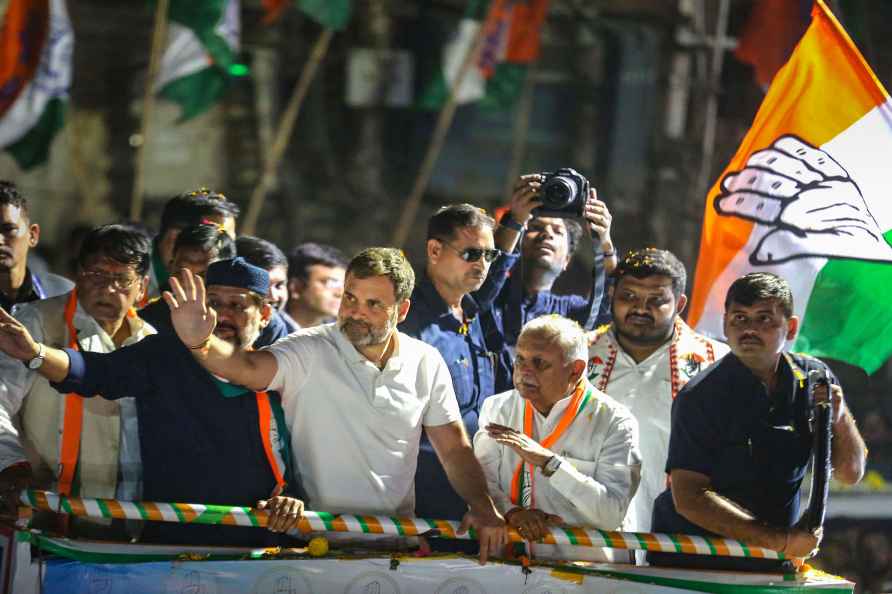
point(603, 497)
point(15, 383)
point(490, 454)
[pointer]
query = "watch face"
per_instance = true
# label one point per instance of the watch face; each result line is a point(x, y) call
point(35, 363)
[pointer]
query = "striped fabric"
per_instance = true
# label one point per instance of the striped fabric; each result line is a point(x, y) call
point(195, 513)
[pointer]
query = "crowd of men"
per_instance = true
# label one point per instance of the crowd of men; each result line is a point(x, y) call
point(197, 366)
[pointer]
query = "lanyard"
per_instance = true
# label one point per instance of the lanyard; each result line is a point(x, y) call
point(578, 401)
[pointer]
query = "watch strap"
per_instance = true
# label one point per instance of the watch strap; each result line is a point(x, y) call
point(551, 466)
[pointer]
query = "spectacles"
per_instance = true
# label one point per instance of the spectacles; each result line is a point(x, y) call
point(236, 307)
point(119, 282)
point(473, 254)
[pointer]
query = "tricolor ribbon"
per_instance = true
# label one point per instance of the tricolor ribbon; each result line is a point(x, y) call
point(196, 513)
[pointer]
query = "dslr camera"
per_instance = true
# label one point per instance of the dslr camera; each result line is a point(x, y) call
point(563, 194)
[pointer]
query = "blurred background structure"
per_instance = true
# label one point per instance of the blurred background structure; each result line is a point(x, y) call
point(648, 98)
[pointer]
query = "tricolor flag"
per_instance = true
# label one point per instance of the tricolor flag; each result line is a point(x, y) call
point(36, 44)
point(202, 41)
point(807, 196)
point(510, 44)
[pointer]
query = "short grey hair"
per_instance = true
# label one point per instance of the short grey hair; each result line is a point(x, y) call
point(565, 333)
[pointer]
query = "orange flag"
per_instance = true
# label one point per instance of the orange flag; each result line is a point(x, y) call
point(806, 197)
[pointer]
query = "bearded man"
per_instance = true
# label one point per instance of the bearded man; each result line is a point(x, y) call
point(356, 395)
point(203, 439)
point(646, 356)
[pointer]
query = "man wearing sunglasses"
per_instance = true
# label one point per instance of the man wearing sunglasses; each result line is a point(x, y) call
point(202, 439)
point(112, 264)
point(460, 254)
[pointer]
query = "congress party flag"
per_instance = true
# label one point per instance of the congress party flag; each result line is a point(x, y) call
point(807, 196)
point(36, 45)
point(510, 43)
point(202, 42)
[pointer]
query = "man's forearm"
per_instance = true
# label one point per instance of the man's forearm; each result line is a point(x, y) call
point(715, 513)
point(849, 452)
point(235, 365)
point(55, 364)
point(506, 238)
point(466, 477)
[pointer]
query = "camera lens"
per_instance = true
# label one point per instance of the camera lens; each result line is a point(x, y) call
point(558, 192)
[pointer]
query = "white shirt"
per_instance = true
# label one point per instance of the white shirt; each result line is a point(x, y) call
point(646, 389)
point(355, 429)
point(597, 478)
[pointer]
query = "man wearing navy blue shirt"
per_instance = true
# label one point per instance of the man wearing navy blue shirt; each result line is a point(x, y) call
point(523, 292)
point(740, 440)
point(460, 253)
point(203, 440)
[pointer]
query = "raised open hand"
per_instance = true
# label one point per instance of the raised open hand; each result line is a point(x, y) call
point(15, 340)
point(192, 319)
point(807, 204)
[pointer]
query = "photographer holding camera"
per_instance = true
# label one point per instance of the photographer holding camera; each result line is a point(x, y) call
point(541, 218)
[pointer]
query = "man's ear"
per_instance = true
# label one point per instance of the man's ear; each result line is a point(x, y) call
point(295, 287)
point(266, 314)
point(681, 303)
point(434, 250)
point(578, 368)
point(792, 327)
point(403, 310)
point(33, 234)
point(143, 288)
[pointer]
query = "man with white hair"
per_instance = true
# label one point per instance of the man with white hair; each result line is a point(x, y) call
point(556, 449)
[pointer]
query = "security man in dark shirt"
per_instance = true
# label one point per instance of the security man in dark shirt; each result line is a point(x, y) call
point(460, 254)
point(740, 440)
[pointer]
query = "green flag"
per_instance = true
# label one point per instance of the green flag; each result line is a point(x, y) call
point(202, 41)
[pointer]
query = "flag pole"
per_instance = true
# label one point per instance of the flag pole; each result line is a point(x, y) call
point(520, 132)
point(283, 133)
point(159, 34)
point(444, 121)
point(712, 100)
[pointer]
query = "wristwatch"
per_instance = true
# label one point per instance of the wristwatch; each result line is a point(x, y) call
point(37, 361)
point(551, 466)
point(508, 221)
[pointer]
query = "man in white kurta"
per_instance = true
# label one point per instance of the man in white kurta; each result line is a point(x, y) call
point(540, 469)
point(646, 356)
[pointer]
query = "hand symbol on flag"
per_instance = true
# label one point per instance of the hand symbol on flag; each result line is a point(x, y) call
point(808, 201)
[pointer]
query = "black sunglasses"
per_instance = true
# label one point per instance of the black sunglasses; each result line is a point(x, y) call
point(473, 254)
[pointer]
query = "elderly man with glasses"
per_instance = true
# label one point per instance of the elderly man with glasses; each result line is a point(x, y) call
point(91, 446)
point(460, 254)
